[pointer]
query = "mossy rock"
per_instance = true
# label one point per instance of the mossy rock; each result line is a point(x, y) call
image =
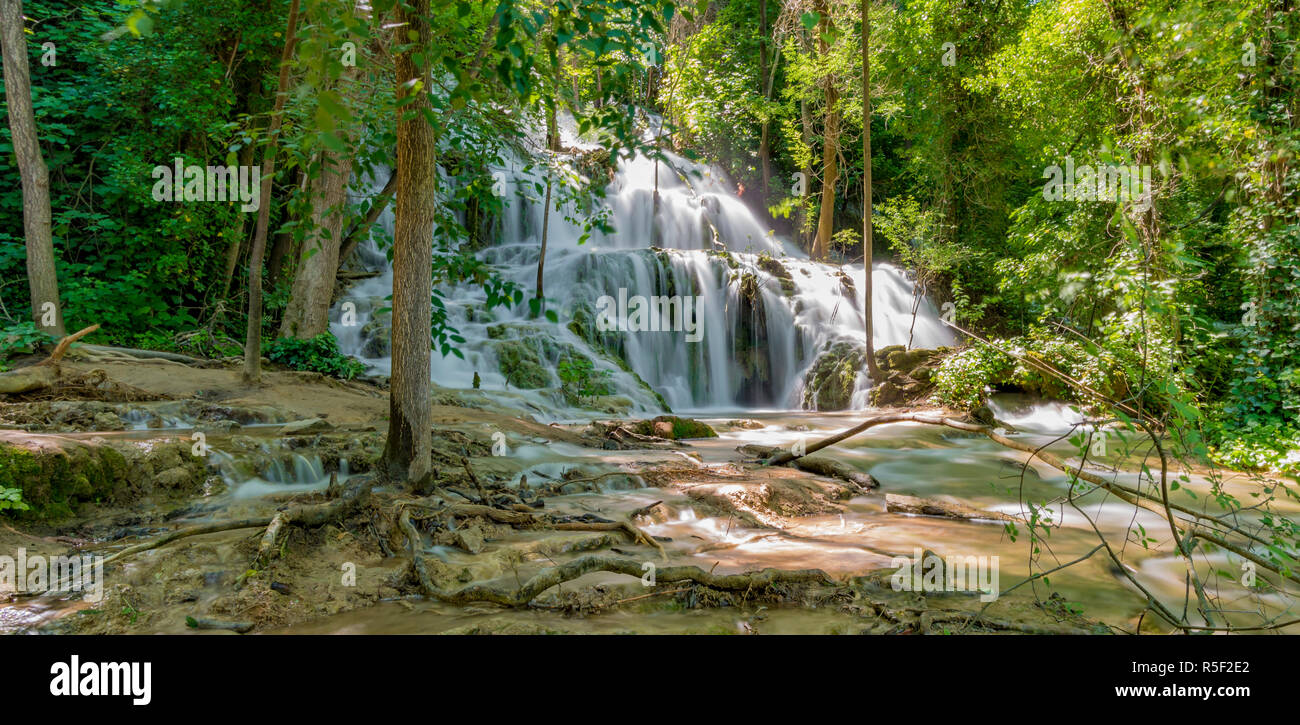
point(907, 360)
point(829, 383)
point(682, 427)
point(55, 480)
point(521, 365)
point(776, 269)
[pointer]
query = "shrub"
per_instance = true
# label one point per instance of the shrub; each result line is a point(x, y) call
point(318, 354)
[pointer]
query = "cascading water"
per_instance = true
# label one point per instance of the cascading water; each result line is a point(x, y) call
point(765, 311)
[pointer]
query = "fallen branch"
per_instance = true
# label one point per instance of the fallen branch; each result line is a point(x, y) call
point(900, 504)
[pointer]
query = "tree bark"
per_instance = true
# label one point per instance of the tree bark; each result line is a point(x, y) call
point(407, 451)
point(764, 152)
point(873, 370)
point(307, 313)
point(830, 146)
point(253, 338)
point(42, 279)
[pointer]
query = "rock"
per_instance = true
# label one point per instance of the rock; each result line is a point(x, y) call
point(745, 424)
point(310, 425)
point(470, 539)
point(906, 360)
point(107, 421)
point(521, 365)
point(830, 380)
point(175, 477)
point(676, 428)
point(886, 393)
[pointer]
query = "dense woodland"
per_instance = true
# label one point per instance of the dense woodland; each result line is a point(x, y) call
point(1186, 308)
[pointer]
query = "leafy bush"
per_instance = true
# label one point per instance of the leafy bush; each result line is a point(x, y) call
point(318, 354)
point(23, 338)
point(580, 380)
point(962, 378)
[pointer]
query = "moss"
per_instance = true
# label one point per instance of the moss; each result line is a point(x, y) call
point(54, 482)
point(777, 270)
point(830, 381)
point(682, 427)
point(521, 365)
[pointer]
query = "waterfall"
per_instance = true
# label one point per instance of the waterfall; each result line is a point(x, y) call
point(765, 310)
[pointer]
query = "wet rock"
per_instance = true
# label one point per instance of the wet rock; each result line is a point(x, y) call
point(521, 365)
point(830, 380)
point(674, 427)
point(310, 425)
point(887, 393)
point(470, 539)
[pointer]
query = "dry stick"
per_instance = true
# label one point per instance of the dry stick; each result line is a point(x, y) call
point(652, 594)
point(62, 348)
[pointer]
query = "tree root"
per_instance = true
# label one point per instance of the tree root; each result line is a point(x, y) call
point(569, 571)
point(308, 515)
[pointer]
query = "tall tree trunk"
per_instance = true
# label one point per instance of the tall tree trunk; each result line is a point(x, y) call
point(307, 313)
point(873, 369)
point(253, 338)
point(806, 233)
point(552, 145)
point(764, 152)
point(407, 451)
point(41, 277)
point(830, 146)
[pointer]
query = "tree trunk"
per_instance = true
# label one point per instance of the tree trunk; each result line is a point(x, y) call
point(307, 313)
point(806, 233)
point(253, 338)
point(830, 147)
point(41, 277)
point(553, 145)
point(407, 451)
point(873, 370)
point(764, 152)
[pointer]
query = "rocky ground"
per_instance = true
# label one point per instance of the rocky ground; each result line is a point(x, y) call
point(110, 467)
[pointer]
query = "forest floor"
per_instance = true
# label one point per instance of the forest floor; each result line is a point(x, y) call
point(485, 537)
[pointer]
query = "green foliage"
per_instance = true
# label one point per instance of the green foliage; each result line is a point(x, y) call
point(317, 354)
point(23, 338)
point(580, 380)
point(963, 377)
point(12, 498)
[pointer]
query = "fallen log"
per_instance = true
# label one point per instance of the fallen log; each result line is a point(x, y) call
point(44, 374)
point(899, 504)
point(818, 466)
point(25, 380)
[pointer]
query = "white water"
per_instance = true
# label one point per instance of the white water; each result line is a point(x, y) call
point(695, 200)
